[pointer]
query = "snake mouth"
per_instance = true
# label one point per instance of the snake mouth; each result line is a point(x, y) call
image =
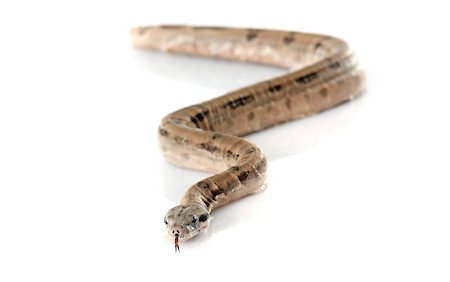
point(183, 236)
point(179, 236)
point(184, 233)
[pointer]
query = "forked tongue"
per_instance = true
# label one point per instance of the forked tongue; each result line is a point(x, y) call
point(177, 246)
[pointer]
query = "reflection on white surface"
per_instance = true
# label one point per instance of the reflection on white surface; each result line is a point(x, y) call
point(217, 74)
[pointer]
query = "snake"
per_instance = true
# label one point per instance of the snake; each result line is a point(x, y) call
point(322, 73)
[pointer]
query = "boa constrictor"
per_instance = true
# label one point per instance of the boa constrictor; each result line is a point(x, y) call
point(323, 73)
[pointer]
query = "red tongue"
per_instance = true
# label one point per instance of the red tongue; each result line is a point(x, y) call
point(177, 247)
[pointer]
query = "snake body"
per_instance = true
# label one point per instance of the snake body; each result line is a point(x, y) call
point(323, 73)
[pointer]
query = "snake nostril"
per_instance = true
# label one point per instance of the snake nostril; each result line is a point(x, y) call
point(178, 231)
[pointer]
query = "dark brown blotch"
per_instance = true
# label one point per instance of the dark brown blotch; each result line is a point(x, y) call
point(206, 202)
point(252, 34)
point(307, 78)
point(216, 136)
point(251, 116)
point(241, 101)
point(203, 185)
point(198, 118)
point(323, 92)
point(318, 45)
point(180, 140)
point(334, 65)
point(275, 88)
point(209, 147)
point(243, 176)
point(201, 116)
point(163, 132)
point(229, 154)
point(234, 168)
point(216, 192)
point(288, 39)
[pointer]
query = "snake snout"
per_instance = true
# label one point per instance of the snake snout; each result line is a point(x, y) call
point(179, 231)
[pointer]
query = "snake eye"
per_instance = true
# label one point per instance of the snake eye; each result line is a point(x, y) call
point(194, 219)
point(203, 217)
point(165, 221)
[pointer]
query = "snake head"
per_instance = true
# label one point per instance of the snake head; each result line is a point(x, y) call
point(186, 221)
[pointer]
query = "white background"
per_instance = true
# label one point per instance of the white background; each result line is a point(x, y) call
point(359, 193)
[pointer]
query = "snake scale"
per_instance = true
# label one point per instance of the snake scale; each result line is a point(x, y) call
point(324, 73)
